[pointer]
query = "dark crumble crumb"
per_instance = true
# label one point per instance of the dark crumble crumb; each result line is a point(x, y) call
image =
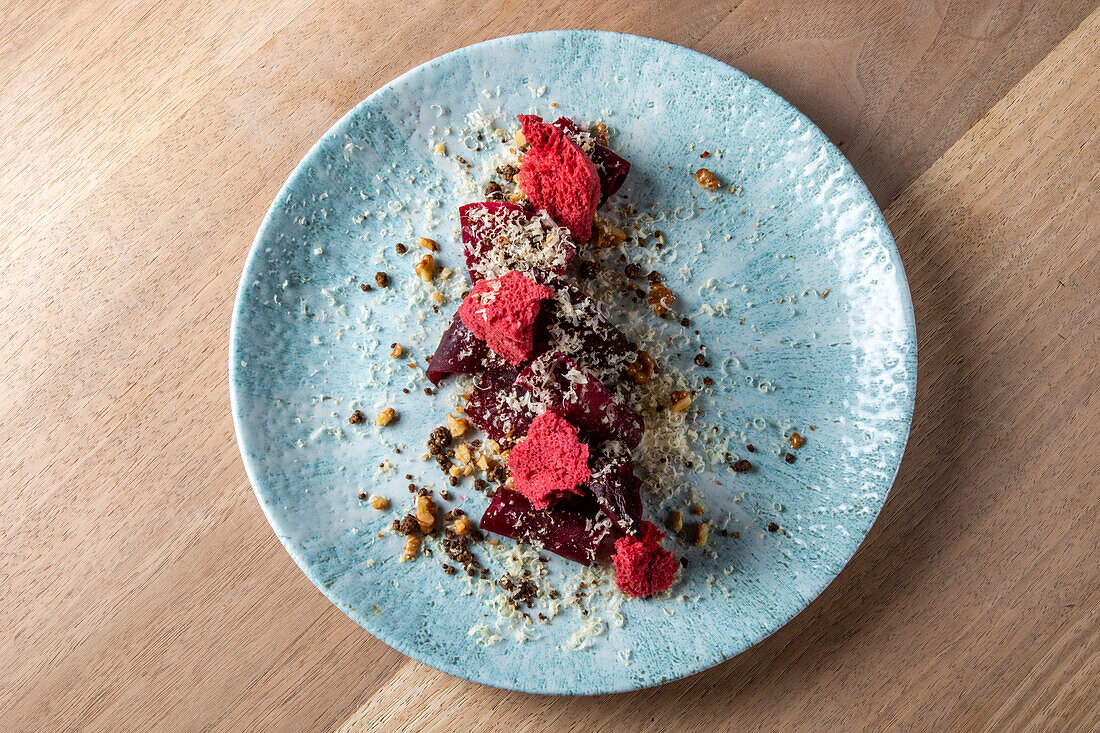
point(381, 279)
point(701, 360)
point(788, 457)
point(750, 448)
point(356, 417)
point(708, 382)
point(772, 526)
point(589, 270)
point(704, 154)
point(685, 322)
point(519, 590)
point(439, 439)
point(362, 496)
point(400, 248)
point(364, 287)
point(408, 525)
point(405, 390)
point(742, 466)
point(428, 391)
point(633, 271)
point(445, 495)
point(654, 277)
point(493, 191)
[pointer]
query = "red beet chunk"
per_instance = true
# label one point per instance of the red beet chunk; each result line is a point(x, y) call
point(496, 405)
point(558, 177)
point(616, 489)
point(611, 167)
point(565, 531)
point(498, 236)
point(578, 329)
point(459, 352)
point(557, 383)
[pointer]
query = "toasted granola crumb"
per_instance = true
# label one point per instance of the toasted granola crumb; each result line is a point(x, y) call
point(356, 417)
point(437, 298)
point(397, 351)
point(788, 457)
point(702, 531)
point(429, 244)
point(742, 466)
point(676, 520)
point(698, 510)
point(364, 287)
point(386, 416)
point(379, 502)
point(381, 279)
point(401, 248)
point(796, 441)
point(707, 179)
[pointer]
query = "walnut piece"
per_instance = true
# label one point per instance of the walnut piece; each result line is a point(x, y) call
point(640, 370)
point(425, 268)
point(680, 400)
point(660, 299)
point(706, 179)
point(412, 548)
point(457, 425)
point(425, 513)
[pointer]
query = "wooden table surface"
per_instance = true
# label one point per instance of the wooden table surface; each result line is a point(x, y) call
point(141, 588)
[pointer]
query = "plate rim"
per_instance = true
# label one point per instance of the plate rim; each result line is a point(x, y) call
point(411, 649)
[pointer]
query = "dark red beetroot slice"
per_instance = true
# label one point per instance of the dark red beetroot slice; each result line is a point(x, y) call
point(611, 167)
point(490, 224)
point(459, 352)
point(587, 403)
point(580, 331)
point(616, 489)
point(562, 530)
point(493, 406)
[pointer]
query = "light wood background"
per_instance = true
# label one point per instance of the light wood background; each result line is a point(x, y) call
point(140, 587)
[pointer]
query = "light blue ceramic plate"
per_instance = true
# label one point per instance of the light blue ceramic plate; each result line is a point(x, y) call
point(309, 347)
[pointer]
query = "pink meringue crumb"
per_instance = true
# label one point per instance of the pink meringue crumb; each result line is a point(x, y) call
point(502, 313)
point(642, 566)
point(550, 462)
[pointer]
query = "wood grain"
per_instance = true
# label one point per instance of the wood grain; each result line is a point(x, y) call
point(140, 587)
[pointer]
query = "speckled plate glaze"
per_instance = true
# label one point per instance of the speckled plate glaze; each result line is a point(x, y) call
point(305, 337)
